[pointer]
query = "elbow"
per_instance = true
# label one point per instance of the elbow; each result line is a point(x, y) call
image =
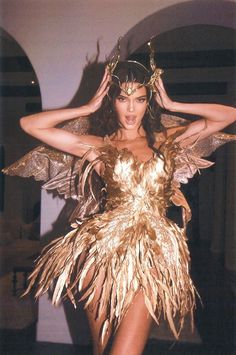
point(232, 116)
point(24, 124)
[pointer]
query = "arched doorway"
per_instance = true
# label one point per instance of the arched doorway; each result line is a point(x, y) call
point(199, 63)
point(182, 15)
point(20, 199)
point(188, 13)
point(20, 95)
point(199, 67)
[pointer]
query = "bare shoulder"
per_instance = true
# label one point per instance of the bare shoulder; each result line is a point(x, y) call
point(87, 144)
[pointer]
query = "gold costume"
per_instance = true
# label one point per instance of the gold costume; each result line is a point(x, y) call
point(131, 245)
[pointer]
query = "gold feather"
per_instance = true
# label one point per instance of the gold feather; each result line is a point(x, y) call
point(131, 246)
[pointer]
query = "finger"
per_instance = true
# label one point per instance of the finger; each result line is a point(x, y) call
point(102, 86)
point(102, 93)
point(105, 77)
point(99, 99)
point(159, 99)
point(161, 91)
point(105, 92)
point(160, 83)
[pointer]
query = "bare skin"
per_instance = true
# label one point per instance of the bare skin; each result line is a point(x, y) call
point(133, 332)
point(42, 125)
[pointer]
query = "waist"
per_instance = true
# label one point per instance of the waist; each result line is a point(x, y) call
point(157, 205)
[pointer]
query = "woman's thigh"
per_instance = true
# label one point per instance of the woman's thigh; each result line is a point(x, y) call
point(134, 329)
point(96, 323)
point(131, 336)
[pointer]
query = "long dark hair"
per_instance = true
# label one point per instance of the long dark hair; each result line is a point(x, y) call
point(105, 121)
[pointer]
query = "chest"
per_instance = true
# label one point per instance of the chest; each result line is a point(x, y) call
point(124, 170)
point(139, 150)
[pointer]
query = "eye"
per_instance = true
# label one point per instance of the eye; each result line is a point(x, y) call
point(121, 99)
point(141, 99)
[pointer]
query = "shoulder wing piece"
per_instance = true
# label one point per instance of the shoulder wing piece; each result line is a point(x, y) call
point(79, 125)
point(187, 164)
point(189, 160)
point(45, 163)
point(63, 172)
point(206, 146)
point(42, 163)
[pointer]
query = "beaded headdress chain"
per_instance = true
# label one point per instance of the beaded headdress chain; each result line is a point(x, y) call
point(152, 74)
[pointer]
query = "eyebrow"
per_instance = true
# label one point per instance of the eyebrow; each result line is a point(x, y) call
point(139, 97)
point(142, 97)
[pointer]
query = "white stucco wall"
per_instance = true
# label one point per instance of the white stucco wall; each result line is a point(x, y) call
point(57, 35)
point(57, 32)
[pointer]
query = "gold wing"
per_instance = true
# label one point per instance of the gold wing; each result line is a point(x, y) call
point(60, 171)
point(48, 164)
point(189, 160)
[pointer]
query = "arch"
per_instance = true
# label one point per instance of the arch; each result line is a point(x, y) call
point(18, 51)
point(218, 13)
point(20, 95)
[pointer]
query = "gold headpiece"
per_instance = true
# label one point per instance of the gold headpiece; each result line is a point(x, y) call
point(114, 59)
point(156, 71)
point(152, 74)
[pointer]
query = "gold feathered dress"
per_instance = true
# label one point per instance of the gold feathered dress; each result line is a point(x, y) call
point(131, 246)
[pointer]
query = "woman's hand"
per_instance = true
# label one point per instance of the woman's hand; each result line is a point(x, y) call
point(43, 125)
point(95, 103)
point(212, 117)
point(161, 96)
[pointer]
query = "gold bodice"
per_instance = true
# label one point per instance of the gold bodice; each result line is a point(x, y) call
point(132, 245)
point(136, 185)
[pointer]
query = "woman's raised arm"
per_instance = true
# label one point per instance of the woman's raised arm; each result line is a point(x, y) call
point(43, 125)
point(215, 117)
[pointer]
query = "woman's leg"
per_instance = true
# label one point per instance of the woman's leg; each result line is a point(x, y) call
point(94, 323)
point(131, 336)
point(134, 329)
point(95, 328)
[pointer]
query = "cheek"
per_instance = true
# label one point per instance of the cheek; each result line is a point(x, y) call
point(143, 109)
point(119, 109)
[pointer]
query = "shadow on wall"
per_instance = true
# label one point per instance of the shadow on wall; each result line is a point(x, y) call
point(193, 72)
point(90, 81)
point(181, 75)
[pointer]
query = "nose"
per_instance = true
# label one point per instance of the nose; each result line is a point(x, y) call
point(130, 106)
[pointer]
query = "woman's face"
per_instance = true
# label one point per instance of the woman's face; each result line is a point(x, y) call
point(131, 108)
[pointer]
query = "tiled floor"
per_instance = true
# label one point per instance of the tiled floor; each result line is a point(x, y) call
point(215, 322)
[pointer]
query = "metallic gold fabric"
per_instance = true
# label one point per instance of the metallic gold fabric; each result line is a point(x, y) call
point(132, 245)
point(59, 171)
point(44, 163)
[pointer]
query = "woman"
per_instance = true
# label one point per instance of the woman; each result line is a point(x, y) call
point(130, 262)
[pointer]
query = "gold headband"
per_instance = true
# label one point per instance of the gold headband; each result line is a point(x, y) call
point(127, 88)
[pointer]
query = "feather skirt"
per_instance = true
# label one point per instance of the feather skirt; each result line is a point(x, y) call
point(117, 255)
